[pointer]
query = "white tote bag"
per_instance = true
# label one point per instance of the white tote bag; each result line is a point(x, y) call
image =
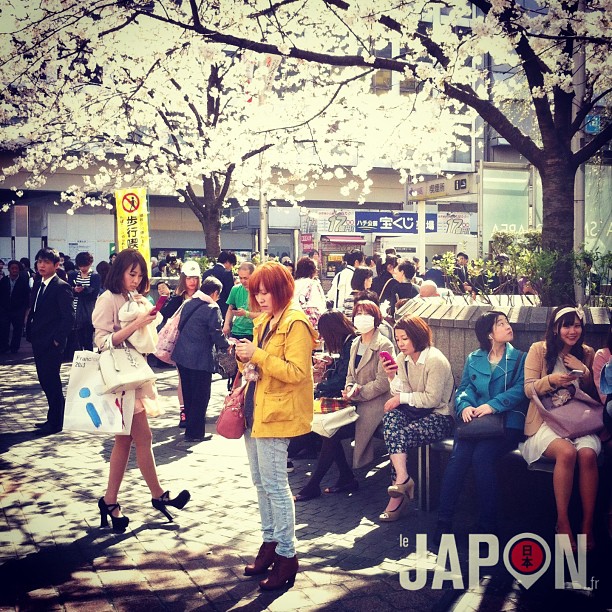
point(328, 424)
point(124, 368)
point(88, 407)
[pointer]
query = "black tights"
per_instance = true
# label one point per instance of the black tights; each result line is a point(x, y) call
point(331, 452)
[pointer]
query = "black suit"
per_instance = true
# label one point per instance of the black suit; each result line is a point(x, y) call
point(13, 306)
point(227, 280)
point(50, 321)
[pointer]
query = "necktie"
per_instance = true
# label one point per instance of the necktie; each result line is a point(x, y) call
point(41, 290)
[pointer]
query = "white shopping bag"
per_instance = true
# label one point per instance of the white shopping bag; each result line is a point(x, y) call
point(88, 408)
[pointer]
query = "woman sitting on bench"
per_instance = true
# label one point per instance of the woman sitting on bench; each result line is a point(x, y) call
point(418, 413)
point(492, 383)
point(562, 360)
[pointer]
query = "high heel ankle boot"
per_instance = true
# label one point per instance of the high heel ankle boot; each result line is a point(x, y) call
point(120, 523)
point(282, 574)
point(160, 503)
point(263, 560)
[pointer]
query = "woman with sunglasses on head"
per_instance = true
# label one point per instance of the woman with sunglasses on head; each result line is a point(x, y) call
point(492, 383)
point(561, 360)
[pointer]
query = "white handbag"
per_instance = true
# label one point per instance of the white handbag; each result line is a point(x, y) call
point(88, 407)
point(328, 424)
point(123, 368)
point(144, 339)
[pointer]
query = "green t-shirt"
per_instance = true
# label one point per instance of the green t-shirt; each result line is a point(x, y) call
point(239, 298)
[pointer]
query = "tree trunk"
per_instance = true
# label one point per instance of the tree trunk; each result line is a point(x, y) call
point(558, 177)
point(211, 223)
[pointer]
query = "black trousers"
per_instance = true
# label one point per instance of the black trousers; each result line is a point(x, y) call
point(14, 320)
point(48, 362)
point(196, 395)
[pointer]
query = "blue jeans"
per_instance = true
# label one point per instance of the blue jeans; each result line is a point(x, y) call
point(483, 456)
point(268, 462)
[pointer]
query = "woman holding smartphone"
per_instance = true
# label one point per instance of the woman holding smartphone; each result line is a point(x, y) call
point(561, 360)
point(418, 412)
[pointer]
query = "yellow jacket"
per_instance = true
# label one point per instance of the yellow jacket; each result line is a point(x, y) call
point(285, 389)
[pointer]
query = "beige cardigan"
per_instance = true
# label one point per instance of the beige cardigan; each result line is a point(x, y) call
point(536, 375)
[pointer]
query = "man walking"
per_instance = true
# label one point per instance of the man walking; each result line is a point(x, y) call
point(50, 320)
point(14, 300)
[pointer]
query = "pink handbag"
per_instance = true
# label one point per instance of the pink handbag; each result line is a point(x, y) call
point(231, 423)
point(571, 414)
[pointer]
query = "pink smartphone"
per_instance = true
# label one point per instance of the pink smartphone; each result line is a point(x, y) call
point(384, 355)
point(159, 304)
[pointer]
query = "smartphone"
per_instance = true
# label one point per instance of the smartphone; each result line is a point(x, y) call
point(385, 356)
point(352, 390)
point(577, 373)
point(159, 304)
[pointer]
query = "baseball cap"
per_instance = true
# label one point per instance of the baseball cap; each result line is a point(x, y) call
point(191, 268)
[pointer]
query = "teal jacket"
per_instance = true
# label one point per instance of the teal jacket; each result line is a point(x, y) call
point(502, 389)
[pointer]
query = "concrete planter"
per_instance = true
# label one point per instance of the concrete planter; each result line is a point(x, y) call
point(452, 325)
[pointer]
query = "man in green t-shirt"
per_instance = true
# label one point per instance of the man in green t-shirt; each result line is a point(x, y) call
point(238, 319)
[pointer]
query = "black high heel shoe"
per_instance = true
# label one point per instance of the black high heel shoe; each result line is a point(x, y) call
point(120, 523)
point(160, 503)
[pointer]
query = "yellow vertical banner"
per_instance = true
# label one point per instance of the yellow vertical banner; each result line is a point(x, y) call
point(133, 221)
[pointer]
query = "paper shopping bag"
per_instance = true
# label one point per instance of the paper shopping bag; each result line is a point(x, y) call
point(88, 407)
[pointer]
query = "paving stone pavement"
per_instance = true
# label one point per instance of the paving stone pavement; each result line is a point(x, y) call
point(54, 555)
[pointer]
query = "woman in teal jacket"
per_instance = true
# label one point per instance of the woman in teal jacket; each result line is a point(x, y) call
point(492, 382)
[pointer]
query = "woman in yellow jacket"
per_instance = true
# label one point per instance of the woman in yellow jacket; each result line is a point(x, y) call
point(278, 406)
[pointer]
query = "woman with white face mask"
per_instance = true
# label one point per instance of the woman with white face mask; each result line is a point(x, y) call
point(367, 385)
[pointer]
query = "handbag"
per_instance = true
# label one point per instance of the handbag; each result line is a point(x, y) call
point(169, 333)
point(312, 312)
point(570, 412)
point(231, 423)
point(88, 407)
point(144, 340)
point(325, 405)
point(489, 425)
point(481, 428)
point(225, 361)
point(328, 424)
point(123, 368)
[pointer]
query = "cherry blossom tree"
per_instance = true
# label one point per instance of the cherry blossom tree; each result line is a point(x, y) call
point(116, 97)
point(551, 60)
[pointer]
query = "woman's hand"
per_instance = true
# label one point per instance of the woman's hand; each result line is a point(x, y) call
point(573, 363)
point(561, 380)
point(392, 404)
point(353, 389)
point(482, 410)
point(390, 369)
point(143, 319)
point(241, 312)
point(244, 349)
point(467, 414)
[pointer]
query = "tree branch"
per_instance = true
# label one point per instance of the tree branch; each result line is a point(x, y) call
point(584, 154)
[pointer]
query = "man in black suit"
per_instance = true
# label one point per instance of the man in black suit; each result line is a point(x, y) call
point(50, 320)
point(461, 271)
point(14, 301)
point(223, 271)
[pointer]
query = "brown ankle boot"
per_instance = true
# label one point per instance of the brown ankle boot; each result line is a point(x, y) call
point(282, 574)
point(264, 559)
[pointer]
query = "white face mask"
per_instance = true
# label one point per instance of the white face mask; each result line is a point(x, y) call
point(363, 323)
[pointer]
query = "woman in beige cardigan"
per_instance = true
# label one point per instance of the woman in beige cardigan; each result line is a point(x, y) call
point(548, 366)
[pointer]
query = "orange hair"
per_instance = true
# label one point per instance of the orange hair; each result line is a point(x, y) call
point(276, 279)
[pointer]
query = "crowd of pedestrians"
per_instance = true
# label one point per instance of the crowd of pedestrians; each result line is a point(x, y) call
point(295, 345)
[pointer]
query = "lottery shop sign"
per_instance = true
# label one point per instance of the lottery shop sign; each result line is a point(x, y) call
point(133, 220)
